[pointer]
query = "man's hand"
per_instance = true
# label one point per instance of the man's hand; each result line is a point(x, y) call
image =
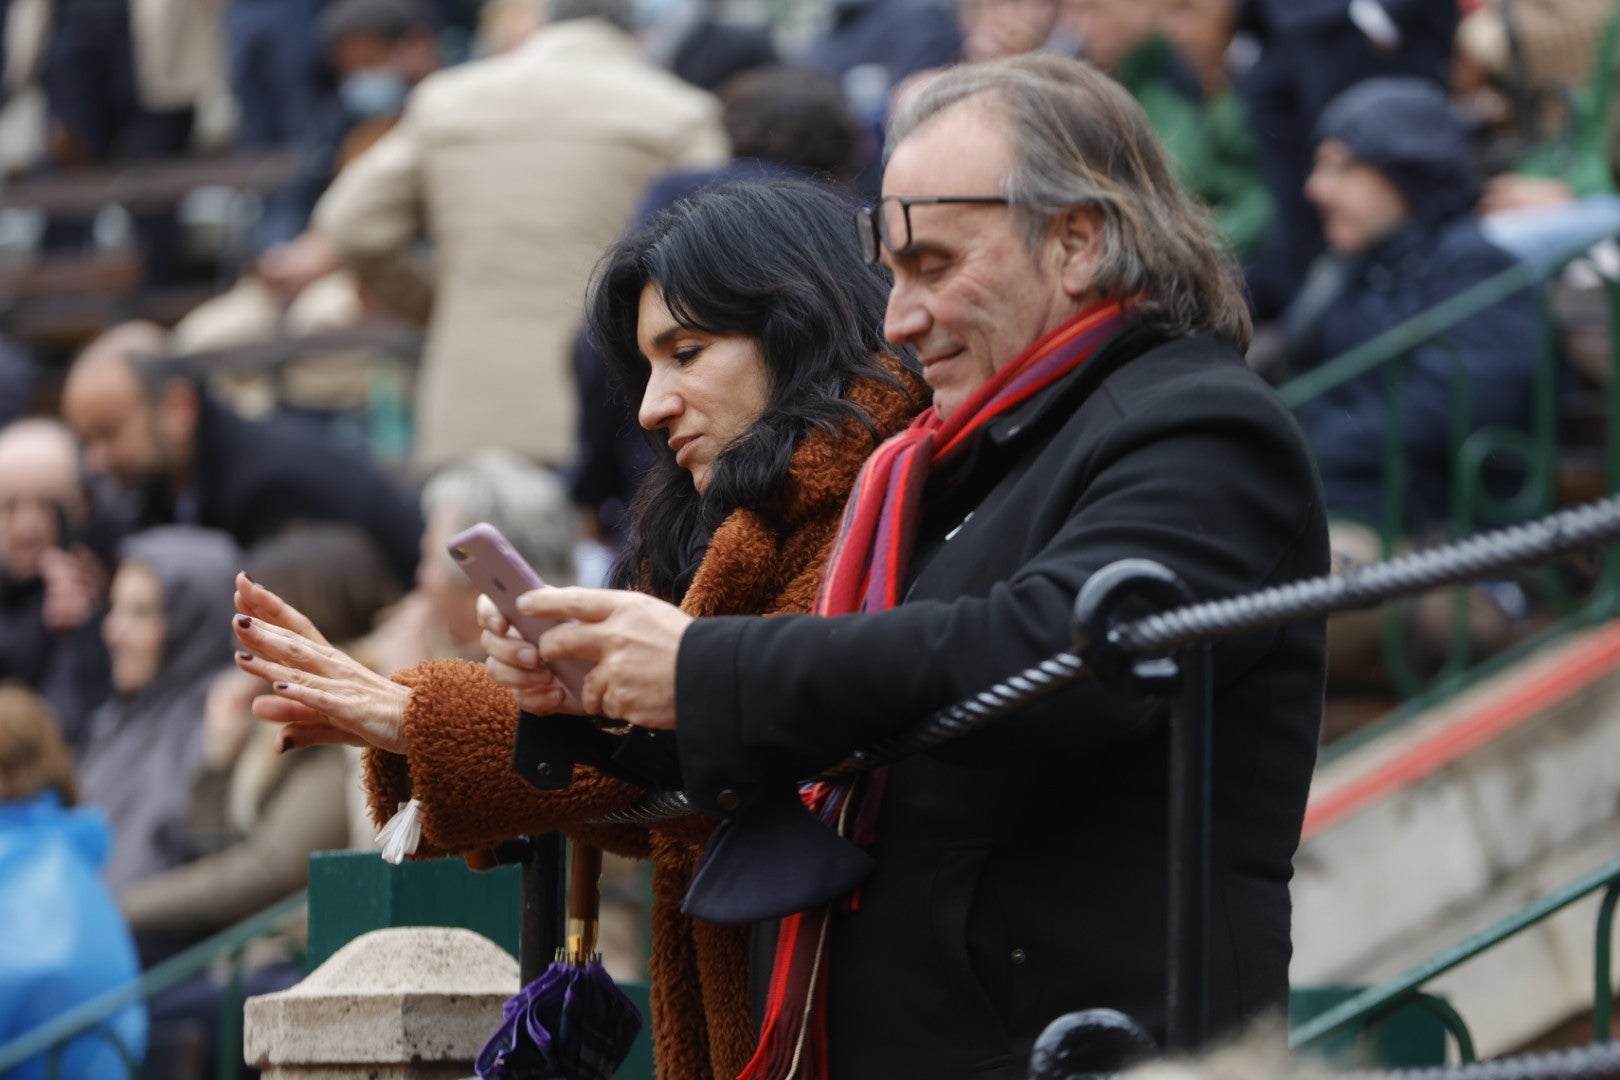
point(1511, 191)
point(292, 267)
point(633, 640)
point(73, 585)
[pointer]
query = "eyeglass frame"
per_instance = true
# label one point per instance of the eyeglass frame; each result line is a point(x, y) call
point(868, 219)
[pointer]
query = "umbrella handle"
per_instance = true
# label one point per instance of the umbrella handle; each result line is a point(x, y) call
point(584, 902)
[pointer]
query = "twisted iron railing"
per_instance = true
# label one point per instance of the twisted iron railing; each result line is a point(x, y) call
point(1577, 528)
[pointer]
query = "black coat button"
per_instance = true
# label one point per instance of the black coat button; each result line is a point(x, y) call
point(1018, 956)
point(729, 800)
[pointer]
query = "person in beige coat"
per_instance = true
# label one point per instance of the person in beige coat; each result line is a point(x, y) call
point(520, 169)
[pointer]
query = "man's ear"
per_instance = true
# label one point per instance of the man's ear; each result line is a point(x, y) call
point(1079, 236)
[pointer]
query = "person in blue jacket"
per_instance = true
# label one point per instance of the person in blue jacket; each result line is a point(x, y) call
point(1395, 185)
point(65, 941)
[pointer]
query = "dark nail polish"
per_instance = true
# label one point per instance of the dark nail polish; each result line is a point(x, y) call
point(249, 577)
point(243, 621)
point(281, 686)
point(284, 745)
point(243, 654)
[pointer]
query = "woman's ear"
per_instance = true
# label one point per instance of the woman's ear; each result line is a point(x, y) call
point(1079, 237)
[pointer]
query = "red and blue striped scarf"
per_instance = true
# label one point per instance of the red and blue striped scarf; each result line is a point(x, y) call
point(864, 573)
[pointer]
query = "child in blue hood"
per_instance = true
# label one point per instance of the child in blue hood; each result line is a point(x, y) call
point(65, 941)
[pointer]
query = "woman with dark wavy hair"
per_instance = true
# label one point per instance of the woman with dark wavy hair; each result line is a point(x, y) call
point(718, 267)
point(748, 328)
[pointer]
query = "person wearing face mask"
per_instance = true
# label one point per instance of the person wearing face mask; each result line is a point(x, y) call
point(169, 595)
point(762, 382)
point(517, 170)
point(376, 51)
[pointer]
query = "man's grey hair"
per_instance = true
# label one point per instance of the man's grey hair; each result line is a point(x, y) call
point(526, 502)
point(1080, 140)
point(621, 13)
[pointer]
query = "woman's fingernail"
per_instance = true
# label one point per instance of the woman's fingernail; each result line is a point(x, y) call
point(249, 577)
point(528, 656)
point(243, 654)
point(280, 686)
point(283, 744)
point(243, 621)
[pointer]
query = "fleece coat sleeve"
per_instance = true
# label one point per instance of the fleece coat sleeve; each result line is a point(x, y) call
point(458, 731)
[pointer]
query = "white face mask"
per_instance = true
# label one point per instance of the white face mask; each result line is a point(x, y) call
point(373, 92)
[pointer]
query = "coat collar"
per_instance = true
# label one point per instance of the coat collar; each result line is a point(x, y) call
point(576, 39)
point(769, 559)
point(1071, 391)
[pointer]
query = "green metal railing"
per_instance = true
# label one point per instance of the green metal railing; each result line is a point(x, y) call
point(92, 1017)
point(1366, 1008)
point(1535, 448)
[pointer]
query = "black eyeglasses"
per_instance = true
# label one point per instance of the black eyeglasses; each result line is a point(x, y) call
point(888, 224)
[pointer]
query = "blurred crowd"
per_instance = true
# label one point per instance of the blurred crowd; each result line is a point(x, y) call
point(460, 166)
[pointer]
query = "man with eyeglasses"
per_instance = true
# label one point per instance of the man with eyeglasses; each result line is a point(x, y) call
point(1082, 335)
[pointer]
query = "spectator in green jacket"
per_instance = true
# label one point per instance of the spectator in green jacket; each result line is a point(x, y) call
point(1147, 47)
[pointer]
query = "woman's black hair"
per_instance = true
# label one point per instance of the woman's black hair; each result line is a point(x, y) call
point(779, 261)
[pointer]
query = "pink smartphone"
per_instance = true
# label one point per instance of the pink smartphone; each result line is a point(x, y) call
point(493, 564)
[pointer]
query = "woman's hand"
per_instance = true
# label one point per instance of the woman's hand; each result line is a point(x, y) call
point(321, 694)
point(516, 665)
point(632, 638)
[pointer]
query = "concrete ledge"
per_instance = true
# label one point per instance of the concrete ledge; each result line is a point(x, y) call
point(1477, 809)
point(416, 1002)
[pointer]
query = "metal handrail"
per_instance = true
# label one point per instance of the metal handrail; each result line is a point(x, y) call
point(1429, 324)
point(101, 1008)
point(1471, 500)
point(1375, 1001)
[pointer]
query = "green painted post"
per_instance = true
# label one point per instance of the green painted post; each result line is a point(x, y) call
point(1410, 1036)
point(354, 892)
point(1602, 983)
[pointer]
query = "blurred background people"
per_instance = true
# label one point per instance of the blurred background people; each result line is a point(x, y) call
point(1395, 187)
point(170, 595)
point(256, 816)
point(65, 941)
point(187, 459)
point(992, 29)
point(527, 503)
point(122, 81)
point(373, 53)
point(1201, 122)
point(51, 585)
point(1309, 52)
point(519, 169)
point(689, 39)
point(272, 58)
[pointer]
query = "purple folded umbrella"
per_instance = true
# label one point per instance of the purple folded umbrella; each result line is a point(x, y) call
point(572, 1023)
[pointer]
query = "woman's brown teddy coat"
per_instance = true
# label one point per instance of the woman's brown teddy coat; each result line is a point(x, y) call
point(459, 728)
